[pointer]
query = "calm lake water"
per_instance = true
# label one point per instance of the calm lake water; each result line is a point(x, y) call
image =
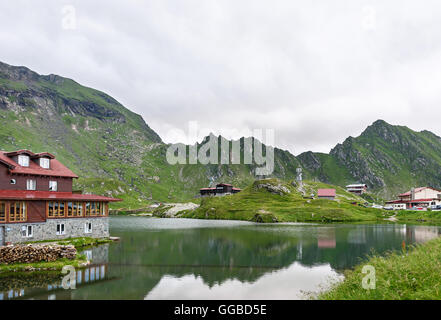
point(206, 259)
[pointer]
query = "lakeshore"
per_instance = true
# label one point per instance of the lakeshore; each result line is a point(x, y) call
point(79, 261)
point(410, 274)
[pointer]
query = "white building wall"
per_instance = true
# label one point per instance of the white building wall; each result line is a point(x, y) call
point(427, 193)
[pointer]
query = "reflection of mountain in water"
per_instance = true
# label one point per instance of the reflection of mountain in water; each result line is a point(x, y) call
point(216, 255)
point(143, 257)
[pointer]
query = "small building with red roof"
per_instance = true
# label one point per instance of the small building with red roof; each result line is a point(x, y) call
point(328, 194)
point(37, 201)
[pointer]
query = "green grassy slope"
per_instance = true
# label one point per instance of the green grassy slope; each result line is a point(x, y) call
point(271, 200)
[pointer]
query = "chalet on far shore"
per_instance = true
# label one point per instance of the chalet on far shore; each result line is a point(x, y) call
point(423, 197)
point(221, 189)
point(37, 202)
point(358, 188)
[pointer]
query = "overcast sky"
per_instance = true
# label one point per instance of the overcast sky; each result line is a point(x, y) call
point(315, 71)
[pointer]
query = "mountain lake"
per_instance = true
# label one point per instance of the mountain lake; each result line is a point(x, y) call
point(217, 259)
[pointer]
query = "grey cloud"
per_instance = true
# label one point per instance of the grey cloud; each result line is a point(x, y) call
point(315, 71)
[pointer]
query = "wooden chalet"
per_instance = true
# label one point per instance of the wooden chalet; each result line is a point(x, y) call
point(220, 190)
point(359, 188)
point(37, 202)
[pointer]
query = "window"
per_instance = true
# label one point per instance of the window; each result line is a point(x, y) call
point(50, 209)
point(45, 163)
point(88, 227)
point(13, 181)
point(53, 185)
point(93, 209)
point(78, 209)
point(74, 209)
point(60, 229)
point(2, 212)
point(31, 184)
point(17, 212)
point(56, 209)
point(23, 160)
point(103, 209)
point(70, 209)
point(27, 231)
point(87, 208)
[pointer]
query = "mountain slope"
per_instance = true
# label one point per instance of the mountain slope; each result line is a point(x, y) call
point(389, 159)
point(111, 148)
point(116, 153)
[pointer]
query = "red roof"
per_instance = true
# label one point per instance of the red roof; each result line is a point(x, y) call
point(408, 193)
point(57, 169)
point(44, 154)
point(47, 195)
point(412, 201)
point(23, 151)
point(326, 193)
point(417, 190)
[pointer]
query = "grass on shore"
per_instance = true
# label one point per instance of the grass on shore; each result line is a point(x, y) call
point(76, 242)
point(258, 204)
point(78, 262)
point(84, 242)
point(414, 274)
point(419, 216)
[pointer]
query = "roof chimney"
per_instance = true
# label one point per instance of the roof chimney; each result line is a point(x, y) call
point(412, 194)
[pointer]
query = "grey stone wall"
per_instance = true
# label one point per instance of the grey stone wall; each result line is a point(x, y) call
point(48, 230)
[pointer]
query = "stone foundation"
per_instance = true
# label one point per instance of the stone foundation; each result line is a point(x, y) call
point(74, 228)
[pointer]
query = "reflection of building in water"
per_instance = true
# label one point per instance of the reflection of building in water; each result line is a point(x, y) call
point(382, 232)
point(53, 288)
point(326, 238)
point(401, 229)
point(357, 236)
point(49, 285)
point(97, 255)
point(299, 250)
point(422, 233)
point(11, 294)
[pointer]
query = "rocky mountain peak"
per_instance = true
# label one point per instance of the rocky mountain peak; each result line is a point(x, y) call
point(17, 73)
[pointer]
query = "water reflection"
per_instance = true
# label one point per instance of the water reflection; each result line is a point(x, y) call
point(195, 259)
point(296, 280)
point(48, 285)
point(326, 238)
